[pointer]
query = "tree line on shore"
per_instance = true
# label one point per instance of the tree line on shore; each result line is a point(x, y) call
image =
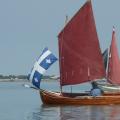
point(26, 76)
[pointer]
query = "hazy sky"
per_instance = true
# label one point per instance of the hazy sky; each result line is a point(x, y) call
point(27, 26)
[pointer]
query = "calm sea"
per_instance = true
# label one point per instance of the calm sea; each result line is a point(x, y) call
point(20, 103)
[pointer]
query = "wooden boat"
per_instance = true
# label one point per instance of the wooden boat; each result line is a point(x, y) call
point(80, 61)
point(78, 99)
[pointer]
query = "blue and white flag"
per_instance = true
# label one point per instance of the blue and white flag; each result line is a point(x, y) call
point(45, 60)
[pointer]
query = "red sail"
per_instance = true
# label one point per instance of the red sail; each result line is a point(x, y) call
point(79, 50)
point(114, 64)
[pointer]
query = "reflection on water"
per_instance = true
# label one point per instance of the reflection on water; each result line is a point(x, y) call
point(45, 113)
point(76, 113)
point(19, 103)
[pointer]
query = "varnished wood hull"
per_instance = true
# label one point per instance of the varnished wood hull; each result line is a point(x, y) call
point(48, 97)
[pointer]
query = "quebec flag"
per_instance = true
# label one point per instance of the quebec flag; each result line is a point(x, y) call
point(45, 60)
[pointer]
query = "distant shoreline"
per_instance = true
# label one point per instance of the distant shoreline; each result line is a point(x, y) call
point(25, 80)
point(13, 80)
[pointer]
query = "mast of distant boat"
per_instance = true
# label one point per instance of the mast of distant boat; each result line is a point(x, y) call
point(108, 57)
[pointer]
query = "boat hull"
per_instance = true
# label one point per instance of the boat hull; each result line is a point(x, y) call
point(57, 98)
point(109, 88)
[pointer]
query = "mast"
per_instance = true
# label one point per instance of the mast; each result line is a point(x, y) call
point(108, 55)
point(66, 21)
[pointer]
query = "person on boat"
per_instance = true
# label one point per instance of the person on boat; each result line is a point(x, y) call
point(95, 91)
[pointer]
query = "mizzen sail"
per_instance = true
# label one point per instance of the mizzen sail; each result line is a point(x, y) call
point(114, 63)
point(79, 50)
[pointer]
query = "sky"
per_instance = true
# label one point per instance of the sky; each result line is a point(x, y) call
point(28, 26)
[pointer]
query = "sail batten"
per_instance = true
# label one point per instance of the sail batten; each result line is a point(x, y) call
point(79, 48)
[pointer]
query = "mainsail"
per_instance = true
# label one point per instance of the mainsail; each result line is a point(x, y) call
point(114, 63)
point(79, 50)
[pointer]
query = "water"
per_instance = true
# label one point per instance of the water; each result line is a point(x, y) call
point(20, 103)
